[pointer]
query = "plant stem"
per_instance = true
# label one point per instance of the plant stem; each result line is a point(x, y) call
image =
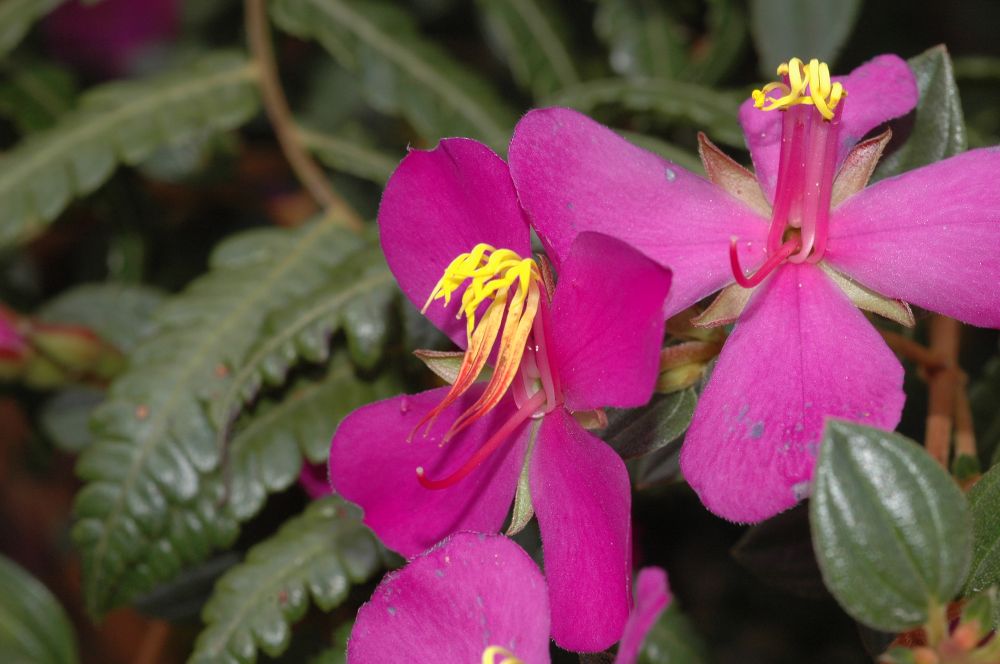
point(965, 434)
point(306, 169)
point(942, 386)
point(913, 351)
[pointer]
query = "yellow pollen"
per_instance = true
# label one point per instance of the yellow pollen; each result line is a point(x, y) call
point(492, 652)
point(512, 285)
point(808, 84)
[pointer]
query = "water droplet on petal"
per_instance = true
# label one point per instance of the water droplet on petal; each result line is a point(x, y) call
point(671, 174)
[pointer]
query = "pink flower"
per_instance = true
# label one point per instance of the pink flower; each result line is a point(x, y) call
point(427, 465)
point(106, 36)
point(478, 598)
point(800, 351)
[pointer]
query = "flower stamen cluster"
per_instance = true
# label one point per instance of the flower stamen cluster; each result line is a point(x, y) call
point(491, 654)
point(808, 84)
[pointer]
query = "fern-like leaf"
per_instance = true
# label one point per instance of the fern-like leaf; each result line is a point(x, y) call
point(403, 73)
point(349, 156)
point(117, 122)
point(318, 554)
point(154, 438)
point(17, 16)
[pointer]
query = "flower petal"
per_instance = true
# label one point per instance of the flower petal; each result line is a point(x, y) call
point(439, 204)
point(451, 603)
point(879, 90)
point(373, 465)
point(607, 323)
point(652, 595)
point(314, 481)
point(581, 494)
point(799, 353)
point(573, 175)
point(928, 236)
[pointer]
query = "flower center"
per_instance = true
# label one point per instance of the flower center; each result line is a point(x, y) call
point(505, 656)
point(514, 320)
point(810, 127)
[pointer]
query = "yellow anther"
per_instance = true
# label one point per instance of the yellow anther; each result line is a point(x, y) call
point(492, 652)
point(808, 84)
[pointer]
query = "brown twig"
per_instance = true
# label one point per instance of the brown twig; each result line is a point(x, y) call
point(154, 640)
point(306, 169)
point(965, 434)
point(917, 353)
point(942, 385)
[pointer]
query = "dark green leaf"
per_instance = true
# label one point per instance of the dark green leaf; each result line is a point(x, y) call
point(34, 94)
point(64, 417)
point(117, 122)
point(984, 395)
point(639, 431)
point(120, 314)
point(707, 109)
point(673, 640)
point(527, 35)
point(145, 508)
point(719, 51)
point(34, 628)
point(984, 501)
point(318, 554)
point(891, 529)
point(785, 29)
point(939, 129)
point(349, 156)
point(643, 38)
point(402, 72)
point(17, 16)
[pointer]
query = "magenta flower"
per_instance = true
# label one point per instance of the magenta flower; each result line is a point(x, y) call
point(478, 598)
point(427, 465)
point(800, 351)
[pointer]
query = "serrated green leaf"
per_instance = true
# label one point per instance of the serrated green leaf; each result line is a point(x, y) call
point(891, 529)
point(403, 73)
point(635, 432)
point(318, 554)
point(642, 37)
point(349, 156)
point(118, 313)
point(117, 122)
point(17, 16)
point(154, 438)
point(984, 502)
point(35, 93)
point(355, 297)
point(526, 33)
point(266, 453)
point(785, 29)
point(710, 110)
point(939, 129)
point(673, 640)
point(34, 628)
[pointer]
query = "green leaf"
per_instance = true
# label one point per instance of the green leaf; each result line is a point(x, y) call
point(118, 313)
point(673, 640)
point(403, 73)
point(643, 38)
point(527, 35)
point(720, 50)
point(707, 109)
point(350, 156)
point(939, 129)
point(984, 395)
point(984, 501)
point(318, 554)
point(35, 93)
point(17, 16)
point(34, 628)
point(64, 417)
point(635, 432)
point(785, 29)
point(117, 122)
point(355, 296)
point(154, 438)
point(890, 527)
point(266, 453)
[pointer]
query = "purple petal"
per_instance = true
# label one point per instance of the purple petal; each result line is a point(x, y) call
point(451, 603)
point(580, 491)
point(373, 465)
point(928, 236)
point(575, 175)
point(607, 323)
point(879, 90)
point(652, 595)
point(800, 352)
point(314, 481)
point(439, 204)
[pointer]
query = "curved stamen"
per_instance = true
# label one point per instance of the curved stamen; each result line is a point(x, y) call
point(489, 447)
point(786, 250)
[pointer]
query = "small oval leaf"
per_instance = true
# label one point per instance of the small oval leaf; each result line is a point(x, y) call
point(890, 528)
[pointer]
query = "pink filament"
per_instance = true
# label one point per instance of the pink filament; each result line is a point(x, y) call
point(526, 410)
point(784, 251)
point(793, 126)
